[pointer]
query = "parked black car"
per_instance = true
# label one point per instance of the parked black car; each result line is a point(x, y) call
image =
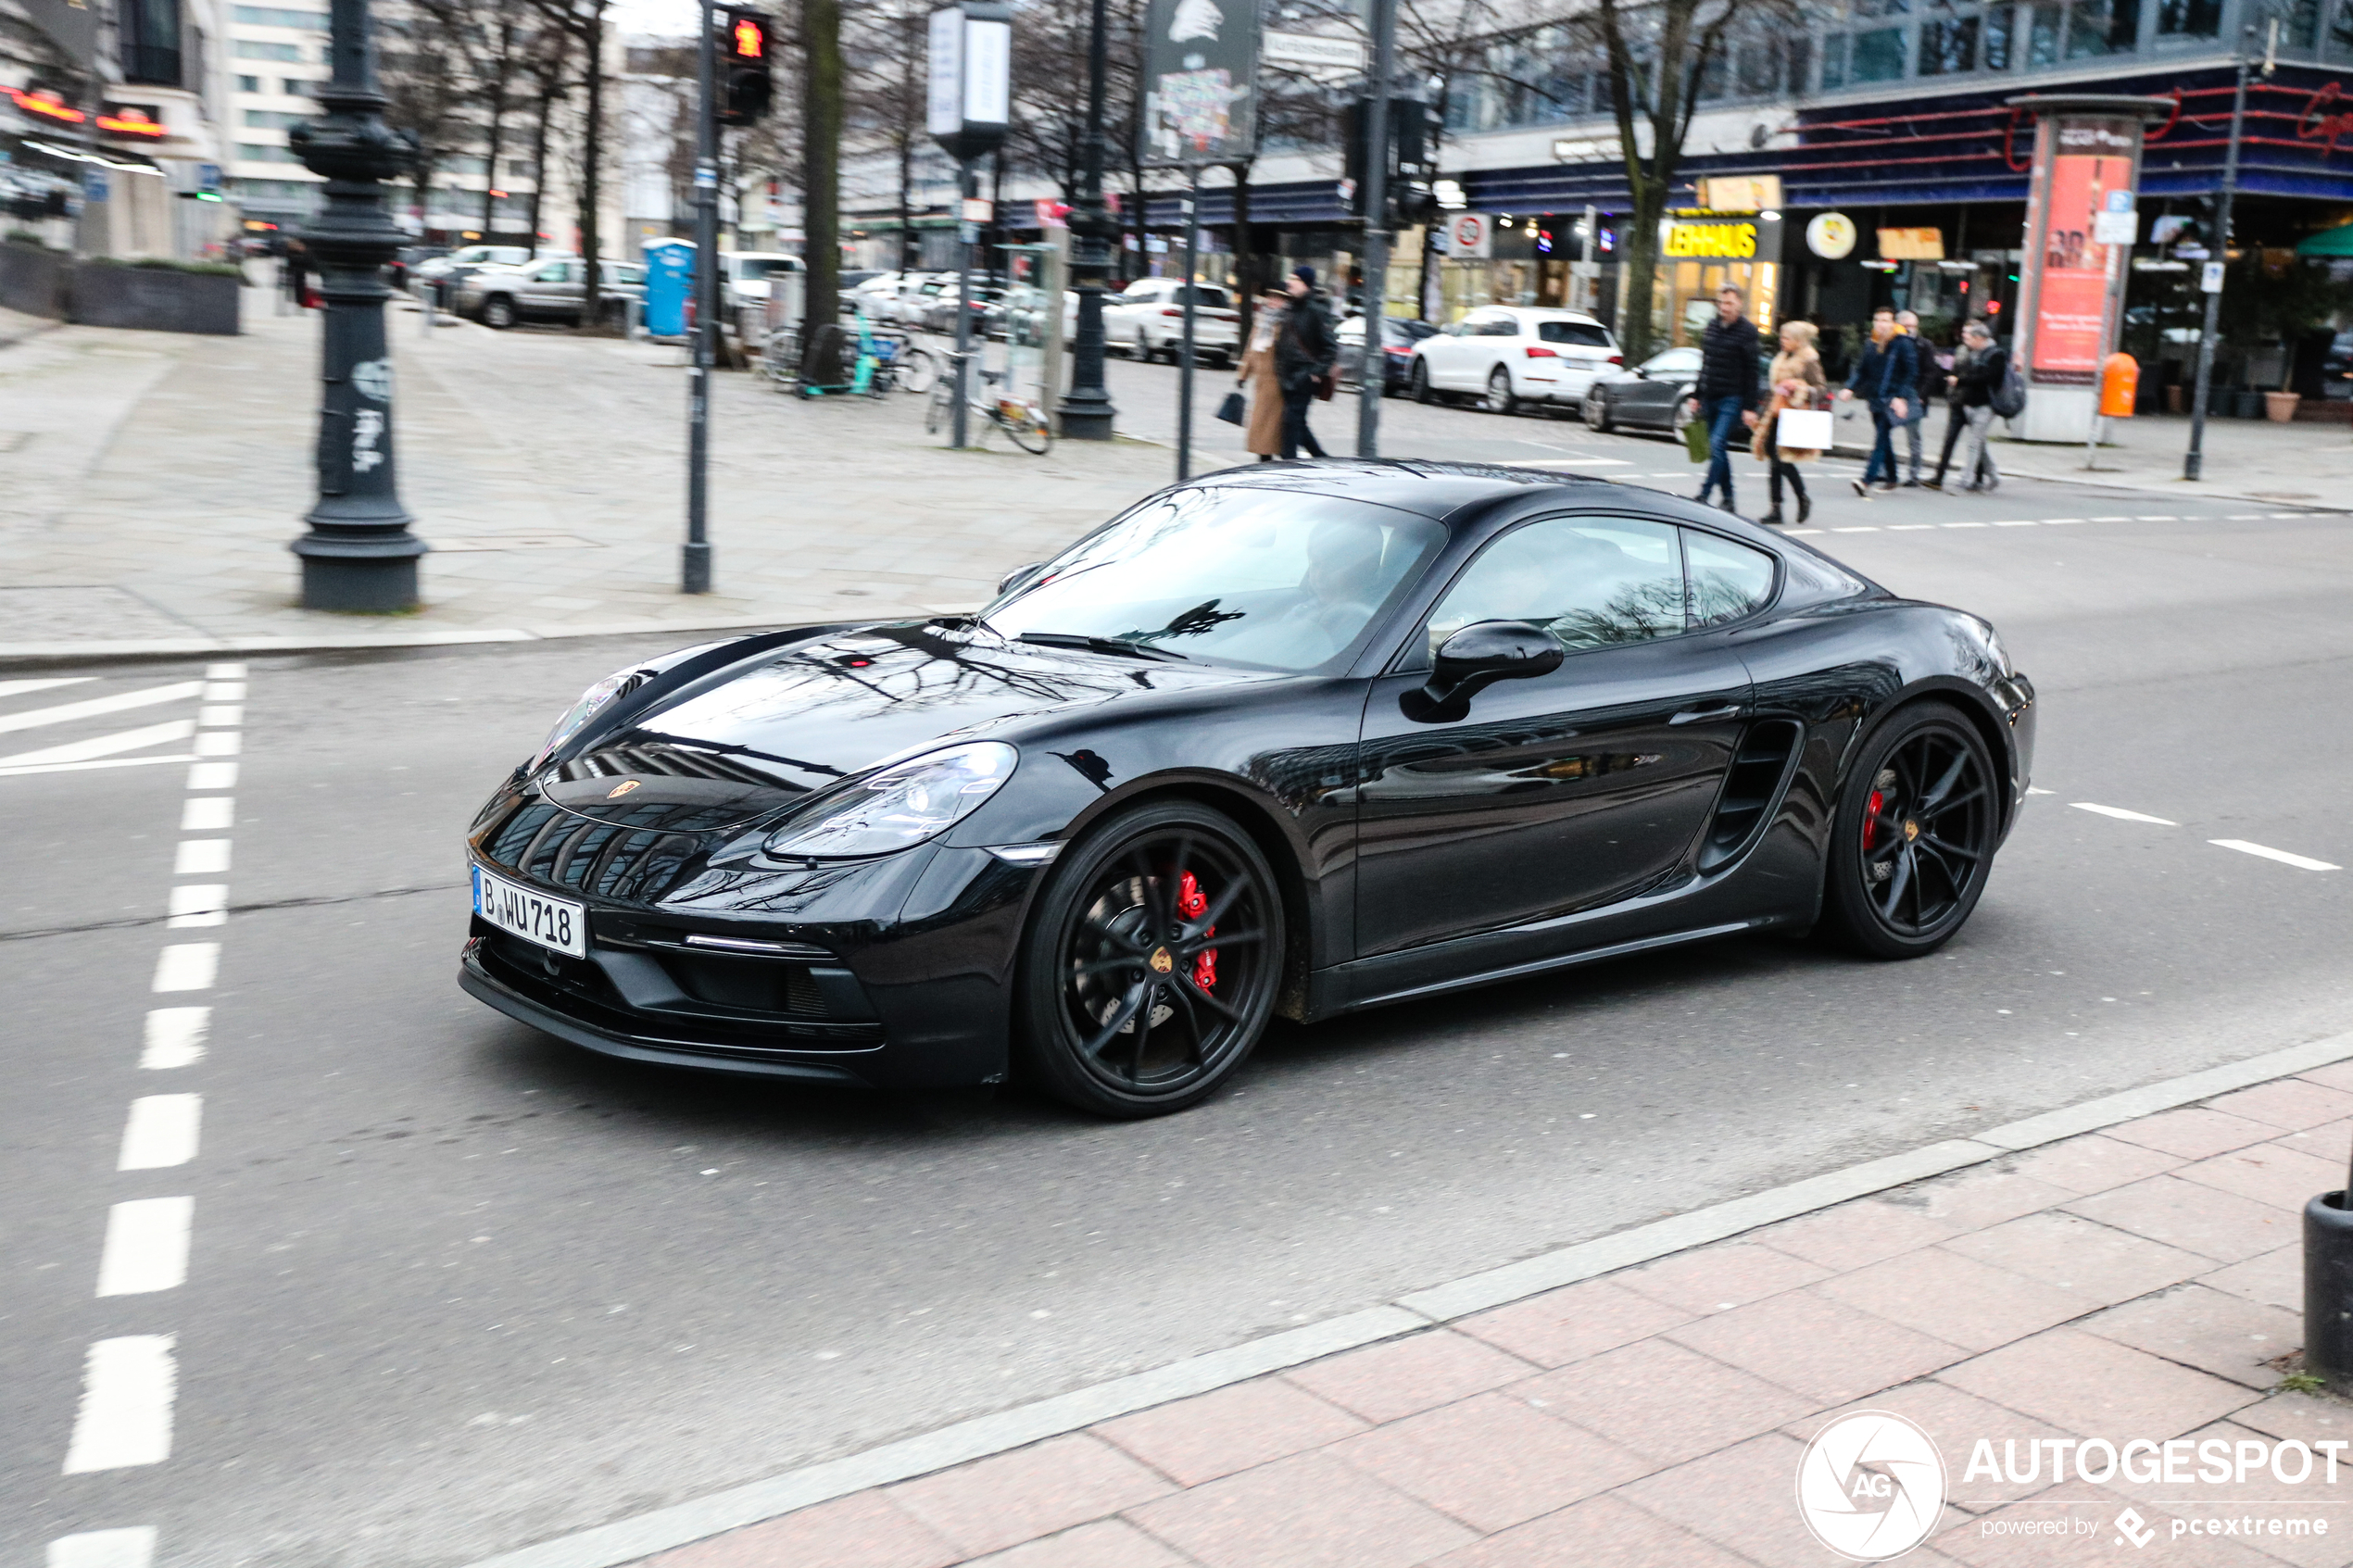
point(1654, 395)
point(1397, 337)
point(1292, 738)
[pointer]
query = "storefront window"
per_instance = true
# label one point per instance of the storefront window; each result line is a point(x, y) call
point(2103, 27)
point(1994, 49)
point(1878, 55)
point(1948, 47)
point(2189, 18)
point(2044, 49)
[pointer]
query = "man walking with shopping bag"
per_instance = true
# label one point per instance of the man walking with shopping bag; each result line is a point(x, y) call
point(1884, 375)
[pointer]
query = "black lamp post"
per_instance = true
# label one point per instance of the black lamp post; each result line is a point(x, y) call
point(1085, 413)
point(359, 553)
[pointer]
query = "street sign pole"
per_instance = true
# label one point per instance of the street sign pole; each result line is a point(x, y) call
point(968, 110)
point(2218, 244)
point(694, 570)
point(1184, 360)
point(958, 428)
point(1372, 376)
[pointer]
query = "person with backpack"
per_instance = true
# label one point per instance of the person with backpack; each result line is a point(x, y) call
point(1886, 374)
point(1977, 377)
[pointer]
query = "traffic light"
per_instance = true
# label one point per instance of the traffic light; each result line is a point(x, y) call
point(1410, 199)
point(744, 87)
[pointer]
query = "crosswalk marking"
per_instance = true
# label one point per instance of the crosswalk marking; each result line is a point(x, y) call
point(104, 745)
point(90, 707)
point(128, 1386)
point(20, 688)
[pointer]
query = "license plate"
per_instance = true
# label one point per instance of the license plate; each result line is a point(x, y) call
point(552, 922)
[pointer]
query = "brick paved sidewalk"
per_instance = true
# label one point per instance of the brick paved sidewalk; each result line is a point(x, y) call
point(2141, 1281)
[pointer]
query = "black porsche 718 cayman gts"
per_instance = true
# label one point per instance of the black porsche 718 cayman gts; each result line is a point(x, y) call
point(1295, 739)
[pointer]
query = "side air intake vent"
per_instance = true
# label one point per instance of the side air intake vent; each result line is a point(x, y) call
point(1750, 789)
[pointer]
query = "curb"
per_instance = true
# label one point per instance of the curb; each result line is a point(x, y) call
point(183, 648)
point(628, 1540)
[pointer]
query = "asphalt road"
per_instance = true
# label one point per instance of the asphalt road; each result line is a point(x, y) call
point(454, 1286)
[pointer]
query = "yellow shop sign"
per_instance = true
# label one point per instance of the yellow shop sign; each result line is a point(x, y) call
point(1735, 241)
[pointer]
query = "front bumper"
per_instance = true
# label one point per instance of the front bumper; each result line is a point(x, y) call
point(902, 974)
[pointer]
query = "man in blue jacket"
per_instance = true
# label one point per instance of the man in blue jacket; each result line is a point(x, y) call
point(1886, 375)
point(1727, 390)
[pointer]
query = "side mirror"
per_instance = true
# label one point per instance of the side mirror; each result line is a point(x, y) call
point(1016, 574)
point(1476, 658)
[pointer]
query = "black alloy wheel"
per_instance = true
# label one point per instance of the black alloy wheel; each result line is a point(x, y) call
point(1915, 834)
point(1153, 963)
point(1417, 383)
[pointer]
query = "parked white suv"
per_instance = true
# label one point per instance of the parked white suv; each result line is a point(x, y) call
point(1510, 354)
point(1149, 321)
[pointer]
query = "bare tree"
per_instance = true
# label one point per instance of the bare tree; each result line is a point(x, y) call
point(421, 68)
point(583, 22)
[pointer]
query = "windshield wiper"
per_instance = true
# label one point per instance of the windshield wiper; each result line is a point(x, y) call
point(1099, 645)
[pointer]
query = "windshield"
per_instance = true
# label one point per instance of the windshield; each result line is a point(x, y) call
point(748, 268)
point(1267, 577)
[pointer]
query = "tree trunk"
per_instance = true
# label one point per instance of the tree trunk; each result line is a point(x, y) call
point(490, 185)
point(820, 183)
point(550, 89)
point(1638, 267)
point(908, 250)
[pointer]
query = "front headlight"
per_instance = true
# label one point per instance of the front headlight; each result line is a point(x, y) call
point(901, 806)
point(593, 701)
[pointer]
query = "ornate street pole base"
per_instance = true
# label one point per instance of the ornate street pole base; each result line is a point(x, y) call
point(359, 569)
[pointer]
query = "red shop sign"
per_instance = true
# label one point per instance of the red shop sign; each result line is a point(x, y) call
point(2316, 124)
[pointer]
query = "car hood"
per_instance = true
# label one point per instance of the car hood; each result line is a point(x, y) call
point(756, 739)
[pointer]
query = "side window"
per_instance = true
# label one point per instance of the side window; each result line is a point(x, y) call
point(1729, 581)
point(1590, 582)
point(1496, 326)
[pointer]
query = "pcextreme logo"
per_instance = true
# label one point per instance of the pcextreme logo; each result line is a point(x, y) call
point(1871, 1485)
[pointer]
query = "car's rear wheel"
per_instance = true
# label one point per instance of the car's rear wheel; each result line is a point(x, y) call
point(1152, 964)
point(1914, 834)
point(1418, 382)
point(1499, 399)
point(498, 311)
point(1597, 411)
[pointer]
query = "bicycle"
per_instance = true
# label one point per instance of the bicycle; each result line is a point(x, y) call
point(1017, 418)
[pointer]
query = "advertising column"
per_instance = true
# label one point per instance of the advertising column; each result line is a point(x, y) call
point(2079, 229)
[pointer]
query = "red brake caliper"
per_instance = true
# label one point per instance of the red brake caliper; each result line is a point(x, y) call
point(1871, 820)
point(1191, 902)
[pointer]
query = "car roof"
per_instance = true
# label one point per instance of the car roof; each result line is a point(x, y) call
point(1466, 494)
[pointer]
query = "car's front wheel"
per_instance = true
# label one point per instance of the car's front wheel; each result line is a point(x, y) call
point(1153, 963)
point(1597, 409)
point(1914, 836)
point(1499, 399)
point(498, 311)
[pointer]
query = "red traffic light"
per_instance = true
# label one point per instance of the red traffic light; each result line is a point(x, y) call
point(750, 37)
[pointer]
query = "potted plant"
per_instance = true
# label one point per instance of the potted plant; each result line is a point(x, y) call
point(2276, 297)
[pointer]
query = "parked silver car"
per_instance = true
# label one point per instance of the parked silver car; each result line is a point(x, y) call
point(442, 274)
point(547, 290)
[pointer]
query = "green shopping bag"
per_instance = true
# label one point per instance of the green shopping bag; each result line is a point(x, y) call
point(1696, 442)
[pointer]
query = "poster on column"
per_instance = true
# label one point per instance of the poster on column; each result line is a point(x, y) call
point(2071, 310)
point(1200, 82)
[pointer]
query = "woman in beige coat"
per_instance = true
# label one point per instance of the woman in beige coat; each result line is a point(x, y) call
point(1795, 381)
point(1257, 374)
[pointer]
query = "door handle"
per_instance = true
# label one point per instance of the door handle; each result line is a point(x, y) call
point(1701, 715)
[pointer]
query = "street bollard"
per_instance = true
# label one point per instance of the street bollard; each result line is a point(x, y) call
point(2328, 1290)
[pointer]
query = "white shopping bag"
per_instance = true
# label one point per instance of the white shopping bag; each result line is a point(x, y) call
point(1802, 429)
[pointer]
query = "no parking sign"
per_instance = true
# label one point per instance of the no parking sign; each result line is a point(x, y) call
point(1469, 234)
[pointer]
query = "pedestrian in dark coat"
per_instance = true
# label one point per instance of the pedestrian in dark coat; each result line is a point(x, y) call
point(1305, 349)
point(1886, 376)
point(1727, 389)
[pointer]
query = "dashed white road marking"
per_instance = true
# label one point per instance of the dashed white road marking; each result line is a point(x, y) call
point(224, 716)
point(65, 712)
point(2121, 815)
point(213, 775)
point(197, 903)
point(217, 742)
point(105, 746)
point(128, 1386)
point(2033, 523)
point(1908, 527)
point(160, 1133)
point(224, 691)
point(2112, 520)
point(23, 688)
point(201, 856)
point(224, 671)
point(132, 1547)
point(1857, 528)
point(2301, 862)
point(2157, 517)
point(187, 966)
point(209, 813)
point(147, 1246)
point(1967, 525)
point(175, 1037)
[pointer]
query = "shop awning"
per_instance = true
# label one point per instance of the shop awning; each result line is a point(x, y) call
point(2328, 243)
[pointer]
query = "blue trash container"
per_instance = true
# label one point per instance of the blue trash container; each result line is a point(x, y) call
point(670, 283)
